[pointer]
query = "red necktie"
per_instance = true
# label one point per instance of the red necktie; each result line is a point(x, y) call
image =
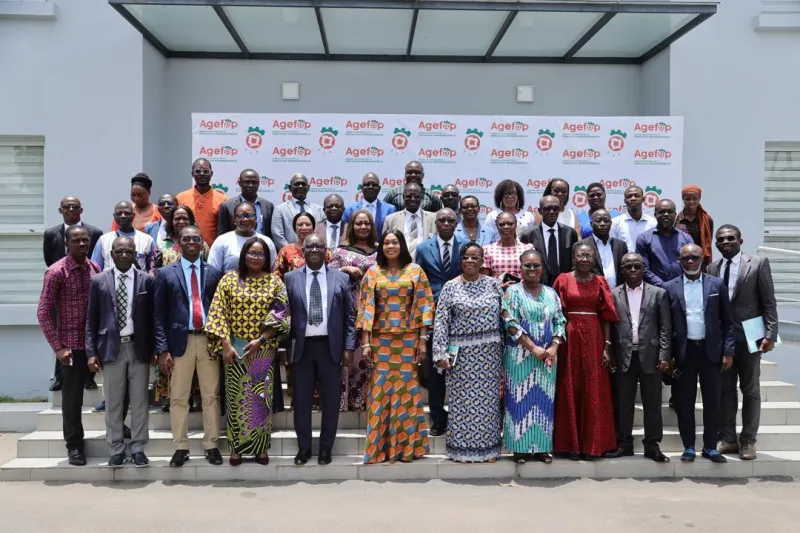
point(197, 307)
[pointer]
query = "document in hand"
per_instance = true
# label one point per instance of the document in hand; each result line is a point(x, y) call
point(754, 331)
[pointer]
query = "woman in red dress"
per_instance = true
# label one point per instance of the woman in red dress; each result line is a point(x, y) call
point(584, 419)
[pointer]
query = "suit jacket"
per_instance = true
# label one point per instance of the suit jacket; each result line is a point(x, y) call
point(397, 221)
point(282, 231)
point(171, 306)
point(429, 258)
point(719, 339)
point(102, 333)
point(654, 332)
point(152, 228)
point(567, 237)
point(618, 249)
point(53, 242)
point(321, 231)
point(225, 219)
point(341, 318)
point(382, 210)
point(753, 294)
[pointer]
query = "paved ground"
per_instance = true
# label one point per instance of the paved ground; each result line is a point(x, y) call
point(617, 506)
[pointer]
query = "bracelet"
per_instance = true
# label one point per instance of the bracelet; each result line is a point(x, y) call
point(262, 339)
point(424, 337)
point(608, 343)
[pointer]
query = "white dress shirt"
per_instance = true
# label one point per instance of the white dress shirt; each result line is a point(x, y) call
point(734, 275)
point(128, 329)
point(635, 305)
point(441, 249)
point(321, 329)
point(546, 233)
point(407, 232)
point(695, 314)
point(186, 266)
point(606, 255)
point(626, 228)
point(332, 236)
point(371, 207)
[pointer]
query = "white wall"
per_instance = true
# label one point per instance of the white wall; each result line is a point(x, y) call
point(154, 88)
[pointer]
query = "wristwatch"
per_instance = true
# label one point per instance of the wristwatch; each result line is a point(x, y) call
point(557, 340)
point(424, 337)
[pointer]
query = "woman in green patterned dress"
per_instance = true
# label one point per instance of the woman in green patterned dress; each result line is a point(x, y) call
point(250, 304)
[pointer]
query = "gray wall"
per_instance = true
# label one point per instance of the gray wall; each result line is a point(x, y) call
point(654, 86)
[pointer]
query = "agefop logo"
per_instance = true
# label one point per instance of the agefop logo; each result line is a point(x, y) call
point(266, 184)
point(254, 139)
point(219, 187)
point(544, 142)
point(512, 156)
point(473, 140)
point(291, 154)
point(652, 130)
point(221, 154)
point(294, 127)
point(584, 130)
point(364, 128)
point(328, 184)
point(616, 142)
point(442, 128)
point(659, 156)
point(579, 198)
point(651, 196)
point(223, 126)
point(536, 186)
point(368, 154)
point(509, 129)
point(400, 139)
point(479, 185)
point(327, 139)
point(287, 194)
point(587, 156)
point(437, 155)
point(436, 190)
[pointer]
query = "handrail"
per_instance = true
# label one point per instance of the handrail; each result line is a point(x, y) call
point(779, 251)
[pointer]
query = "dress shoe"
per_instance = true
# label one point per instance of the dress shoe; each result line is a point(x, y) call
point(263, 460)
point(57, 385)
point(671, 403)
point(76, 458)
point(714, 456)
point(655, 454)
point(748, 452)
point(140, 460)
point(126, 432)
point(235, 461)
point(545, 458)
point(435, 431)
point(100, 407)
point(727, 447)
point(302, 457)
point(619, 452)
point(165, 408)
point(214, 457)
point(90, 385)
point(179, 458)
point(324, 457)
point(574, 456)
point(117, 460)
point(688, 455)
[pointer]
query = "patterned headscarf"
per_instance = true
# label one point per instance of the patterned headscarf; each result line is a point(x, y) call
point(704, 221)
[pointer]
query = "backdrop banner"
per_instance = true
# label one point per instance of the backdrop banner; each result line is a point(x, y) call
point(472, 152)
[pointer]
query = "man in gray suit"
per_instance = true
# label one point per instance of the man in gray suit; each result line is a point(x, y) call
point(249, 180)
point(641, 345)
point(119, 339)
point(282, 227)
point(752, 294)
point(416, 224)
point(323, 328)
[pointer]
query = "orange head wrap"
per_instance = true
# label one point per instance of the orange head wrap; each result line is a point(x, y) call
point(704, 221)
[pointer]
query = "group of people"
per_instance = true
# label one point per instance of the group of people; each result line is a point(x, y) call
point(538, 324)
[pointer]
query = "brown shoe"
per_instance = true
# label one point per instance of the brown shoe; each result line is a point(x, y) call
point(748, 452)
point(727, 447)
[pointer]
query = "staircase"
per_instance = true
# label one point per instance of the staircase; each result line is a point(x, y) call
point(41, 455)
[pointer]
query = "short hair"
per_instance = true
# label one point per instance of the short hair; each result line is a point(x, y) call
point(634, 186)
point(350, 234)
point(595, 185)
point(330, 197)
point(548, 190)
point(73, 228)
point(578, 245)
point(532, 251)
point(501, 188)
point(303, 214)
point(731, 227)
point(470, 244)
point(245, 204)
point(405, 255)
point(243, 256)
point(190, 226)
point(469, 197)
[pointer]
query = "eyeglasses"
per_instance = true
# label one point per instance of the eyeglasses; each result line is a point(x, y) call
point(532, 266)
point(314, 247)
point(202, 171)
point(124, 252)
point(633, 266)
point(509, 195)
point(166, 204)
point(550, 209)
point(246, 216)
point(687, 258)
point(256, 255)
point(450, 195)
point(448, 220)
point(193, 239)
point(70, 207)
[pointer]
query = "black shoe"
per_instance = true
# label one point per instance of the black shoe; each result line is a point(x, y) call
point(90, 385)
point(688, 455)
point(214, 457)
point(302, 457)
point(117, 460)
point(140, 460)
point(714, 456)
point(671, 403)
point(165, 408)
point(324, 457)
point(655, 454)
point(76, 458)
point(619, 452)
point(57, 385)
point(100, 407)
point(126, 432)
point(179, 457)
point(435, 431)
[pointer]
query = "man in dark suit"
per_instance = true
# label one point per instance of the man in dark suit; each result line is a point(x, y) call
point(608, 251)
point(323, 328)
point(248, 181)
point(702, 346)
point(55, 248)
point(752, 294)
point(119, 340)
point(439, 258)
point(370, 189)
point(183, 293)
point(641, 345)
point(332, 229)
point(554, 240)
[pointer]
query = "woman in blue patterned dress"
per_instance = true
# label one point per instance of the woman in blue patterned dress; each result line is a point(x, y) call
point(535, 327)
point(468, 319)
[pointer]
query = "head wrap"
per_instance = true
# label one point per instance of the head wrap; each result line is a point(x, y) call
point(142, 179)
point(704, 222)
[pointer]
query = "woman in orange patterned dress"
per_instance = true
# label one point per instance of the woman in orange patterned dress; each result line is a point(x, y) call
point(394, 317)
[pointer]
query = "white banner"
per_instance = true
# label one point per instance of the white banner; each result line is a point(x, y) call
point(473, 152)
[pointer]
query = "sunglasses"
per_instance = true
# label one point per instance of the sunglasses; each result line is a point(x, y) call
point(188, 240)
point(447, 220)
point(202, 171)
point(687, 258)
point(166, 204)
point(314, 247)
point(729, 238)
point(633, 266)
point(70, 207)
point(550, 209)
point(531, 266)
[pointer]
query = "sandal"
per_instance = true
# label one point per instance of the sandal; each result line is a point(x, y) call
point(545, 458)
point(520, 458)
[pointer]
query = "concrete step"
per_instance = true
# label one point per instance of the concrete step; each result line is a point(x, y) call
point(348, 442)
point(771, 391)
point(772, 414)
point(282, 469)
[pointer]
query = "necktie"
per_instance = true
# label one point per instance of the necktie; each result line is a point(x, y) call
point(302, 205)
point(413, 229)
point(315, 302)
point(197, 307)
point(552, 253)
point(726, 279)
point(446, 256)
point(334, 240)
point(122, 302)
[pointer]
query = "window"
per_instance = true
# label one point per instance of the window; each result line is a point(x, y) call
point(21, 219)
point(782, 191)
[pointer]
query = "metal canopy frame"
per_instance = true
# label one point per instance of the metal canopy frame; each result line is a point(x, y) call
point(608, 10)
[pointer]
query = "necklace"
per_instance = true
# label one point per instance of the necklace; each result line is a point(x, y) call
point(472, 233)
point(465, 280)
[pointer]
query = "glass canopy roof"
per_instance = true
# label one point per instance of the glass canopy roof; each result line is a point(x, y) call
point(481, 31)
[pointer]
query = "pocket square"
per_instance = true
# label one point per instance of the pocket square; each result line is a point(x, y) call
point(712, 295)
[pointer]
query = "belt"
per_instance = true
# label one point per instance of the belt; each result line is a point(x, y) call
point(580, 313)
point(319, 337)
point(196, 332)
point(693, 342)
point(124, 339)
